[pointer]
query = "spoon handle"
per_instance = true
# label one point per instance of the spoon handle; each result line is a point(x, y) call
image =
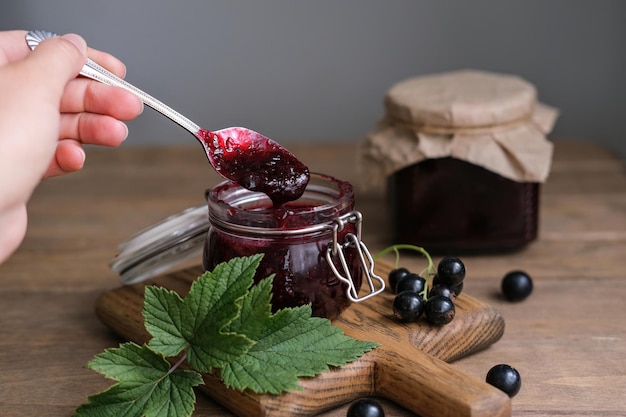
point(96, 72)
point(99, 73)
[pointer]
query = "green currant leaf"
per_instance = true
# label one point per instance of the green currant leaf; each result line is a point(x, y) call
point(224, 322)
point(162, 311)
point(289, 344)
point(197, 322)
point(146, 386)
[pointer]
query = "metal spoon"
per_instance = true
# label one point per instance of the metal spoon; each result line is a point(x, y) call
point(238, 154)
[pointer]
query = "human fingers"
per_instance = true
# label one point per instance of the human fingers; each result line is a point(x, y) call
point(13, 46)
point(84, 95)
point(60, 59)
point(92, 129)
point(108, 61)
point(69, 157)
point(31, 90)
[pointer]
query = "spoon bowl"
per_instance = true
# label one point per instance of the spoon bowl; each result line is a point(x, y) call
point(255, 162)
point(239, 154)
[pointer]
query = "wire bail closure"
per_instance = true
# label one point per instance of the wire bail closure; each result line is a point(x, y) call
point(353, 242)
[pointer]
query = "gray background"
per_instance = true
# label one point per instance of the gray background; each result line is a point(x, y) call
point(318, 70)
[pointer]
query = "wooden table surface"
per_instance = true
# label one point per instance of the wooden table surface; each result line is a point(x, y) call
point(568, 340)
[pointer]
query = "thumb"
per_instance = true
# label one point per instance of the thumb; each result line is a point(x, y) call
point(57, 60)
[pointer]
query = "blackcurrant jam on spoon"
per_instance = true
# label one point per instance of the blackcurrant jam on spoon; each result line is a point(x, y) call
point(244, 156)
point(256, 163)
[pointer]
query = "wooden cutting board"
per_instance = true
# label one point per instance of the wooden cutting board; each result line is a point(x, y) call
point(409, 367)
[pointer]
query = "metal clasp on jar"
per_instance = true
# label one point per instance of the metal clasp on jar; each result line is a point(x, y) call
point(352, 242)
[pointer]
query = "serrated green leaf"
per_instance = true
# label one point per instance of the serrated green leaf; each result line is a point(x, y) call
point(224, 322)
point(163, 319)
point(256, 309)
point(213, 302)
point(289, 344)
point(213, 298)
point(197, 322)
point(146, 387)
point(214, 349)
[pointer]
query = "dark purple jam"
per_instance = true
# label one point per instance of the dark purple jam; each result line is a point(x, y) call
point(448, 205)
point(293, 238)
point(256, 163)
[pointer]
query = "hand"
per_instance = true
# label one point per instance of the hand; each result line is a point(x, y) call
point(46, 115)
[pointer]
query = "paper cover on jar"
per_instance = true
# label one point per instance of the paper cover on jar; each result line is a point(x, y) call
point(490, 120)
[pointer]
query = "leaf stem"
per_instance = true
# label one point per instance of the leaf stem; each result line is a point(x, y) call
point(427, 272)
point(178, 363)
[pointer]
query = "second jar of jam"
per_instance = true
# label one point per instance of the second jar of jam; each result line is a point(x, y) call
point(463, 155)
point(303, 241)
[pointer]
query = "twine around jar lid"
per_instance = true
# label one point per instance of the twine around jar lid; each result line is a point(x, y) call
point(491, 120)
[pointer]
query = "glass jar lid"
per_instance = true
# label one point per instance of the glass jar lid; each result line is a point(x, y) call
point(163, 246)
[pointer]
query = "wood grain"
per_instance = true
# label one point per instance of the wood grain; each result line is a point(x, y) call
point(404, 368)
point(567, 339)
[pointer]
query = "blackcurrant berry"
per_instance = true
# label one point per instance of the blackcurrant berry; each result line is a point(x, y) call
point(439, 310)
point(505, 378)
point(411, 282)
point(394, 276)
point(365, 407)
point(451, 271)
point(408, 306)
point(458, 289)
point(516, 285)
point(441, 289)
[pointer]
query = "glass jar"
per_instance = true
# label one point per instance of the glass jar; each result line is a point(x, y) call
point(451, 206)
point(312, 245)
point(464, 154)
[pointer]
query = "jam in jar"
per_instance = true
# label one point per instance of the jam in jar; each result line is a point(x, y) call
point(448, 205)
point(302, 241)
point(464, 154)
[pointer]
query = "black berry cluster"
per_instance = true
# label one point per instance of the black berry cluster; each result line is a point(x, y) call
point(415, 297)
